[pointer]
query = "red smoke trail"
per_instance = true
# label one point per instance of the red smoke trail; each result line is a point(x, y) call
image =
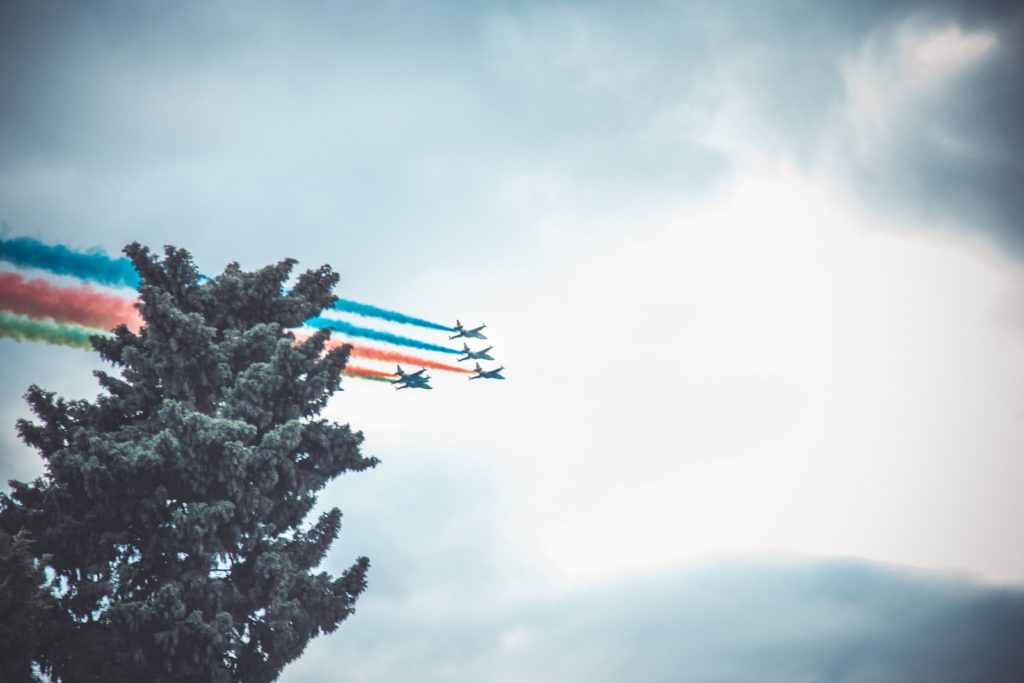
point(82, 305)
point(372, 353)
point(368, 372)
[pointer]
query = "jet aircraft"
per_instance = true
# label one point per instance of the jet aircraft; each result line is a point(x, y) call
point(463, 332)
point(488, 374)
point(412, 380)
point(474, 355)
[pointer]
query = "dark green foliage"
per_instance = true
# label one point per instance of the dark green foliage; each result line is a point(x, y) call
point(171, 514)
point(29, 616)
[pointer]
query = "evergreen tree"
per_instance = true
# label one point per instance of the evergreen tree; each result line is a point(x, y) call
point(170, 519)
point(29, 615)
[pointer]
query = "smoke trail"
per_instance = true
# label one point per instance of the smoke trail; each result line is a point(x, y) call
point(371, 353)
point(368, 372)
point(18, 328)
point(369, 377)
point(82, 305)
point(374, 353)
point(369, 311)
point(378, 335)
point(99, 267)
point(56, 258)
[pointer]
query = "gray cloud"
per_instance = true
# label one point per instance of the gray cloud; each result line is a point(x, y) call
point(387, 130)
point(955, 156)
point(726, 622)
point(214, 124)
point(721, 84)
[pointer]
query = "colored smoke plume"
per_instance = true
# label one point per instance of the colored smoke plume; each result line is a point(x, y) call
point(56, 258)
point(368, 372)
point(371, 353)
point(18, 328)
point(377, 335)
point(97, 266)
point(368, 311)
point(82, 305)
point(372, 378)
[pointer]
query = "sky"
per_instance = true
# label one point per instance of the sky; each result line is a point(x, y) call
point(755, 271)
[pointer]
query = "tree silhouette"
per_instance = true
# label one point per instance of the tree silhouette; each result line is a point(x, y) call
point(166, 540)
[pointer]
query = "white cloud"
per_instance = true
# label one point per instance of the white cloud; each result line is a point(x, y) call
point(902, 74)
point(733, 116)
point(887, 386)
point(769, 371)
point(937, 55)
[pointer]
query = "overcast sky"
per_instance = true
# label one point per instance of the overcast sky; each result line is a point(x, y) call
point(755, 270)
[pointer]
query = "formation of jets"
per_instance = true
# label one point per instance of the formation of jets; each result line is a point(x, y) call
point(476, 355)
point(420, 380)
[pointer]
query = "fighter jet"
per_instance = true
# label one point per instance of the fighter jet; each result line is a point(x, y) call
point(473, 355)
point(412, 380)
point(488, 374)
point(463, 332)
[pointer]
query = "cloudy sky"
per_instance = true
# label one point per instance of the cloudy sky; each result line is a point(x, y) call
point(755, 270)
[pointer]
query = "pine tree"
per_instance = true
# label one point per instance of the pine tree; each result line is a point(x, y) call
point(29, 615)
point(170, 521)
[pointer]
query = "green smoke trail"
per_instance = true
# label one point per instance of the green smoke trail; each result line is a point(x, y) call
point(370, 378)
point(18, 328)
point(76, 336)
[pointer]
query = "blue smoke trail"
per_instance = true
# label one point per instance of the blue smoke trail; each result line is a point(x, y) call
point(56, 258)
point(98, 267)
point(369, 311)
point(387, 337)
